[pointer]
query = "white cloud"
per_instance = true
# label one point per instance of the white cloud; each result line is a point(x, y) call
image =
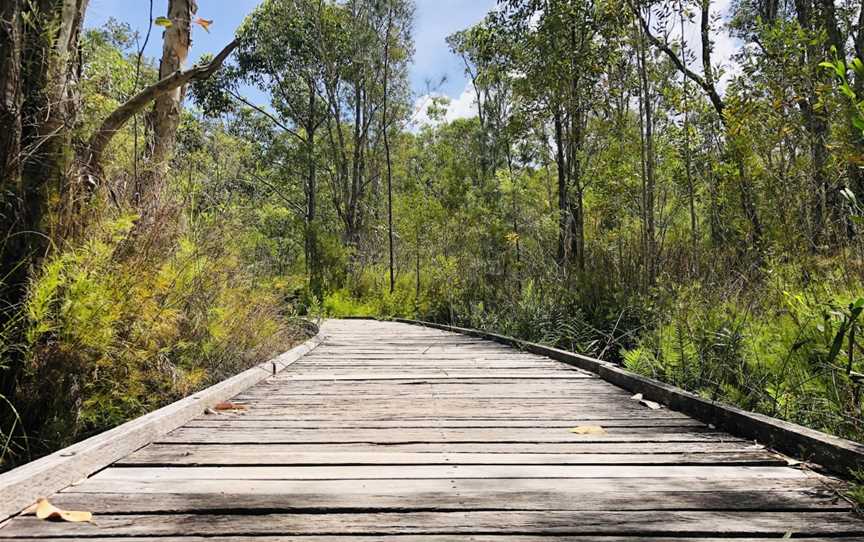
point(462, 107)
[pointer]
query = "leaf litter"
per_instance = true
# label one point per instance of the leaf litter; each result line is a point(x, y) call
point(48, 512)
point(589, 430)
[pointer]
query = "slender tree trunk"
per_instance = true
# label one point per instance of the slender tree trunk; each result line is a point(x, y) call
point(312, 258)
point(563, 207)
point(688, 170)
point(648, 180)
point(15, 244)
point(814, 122)
point(417, 266)
point(165, 117)
point(577, 206)
point(387, 150)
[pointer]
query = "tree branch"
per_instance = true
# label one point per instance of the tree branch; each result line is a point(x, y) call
point(706, 83)
point(284, 127)
point(115, 121)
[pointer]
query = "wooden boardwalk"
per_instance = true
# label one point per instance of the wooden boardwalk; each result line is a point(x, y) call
point(395, 432)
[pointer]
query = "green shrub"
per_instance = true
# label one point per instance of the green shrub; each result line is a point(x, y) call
point(112, 335)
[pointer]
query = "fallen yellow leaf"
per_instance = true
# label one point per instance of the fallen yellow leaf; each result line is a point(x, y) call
point(46, 510)
point(588, 430)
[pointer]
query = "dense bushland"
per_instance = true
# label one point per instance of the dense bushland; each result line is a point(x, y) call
point(617, 192)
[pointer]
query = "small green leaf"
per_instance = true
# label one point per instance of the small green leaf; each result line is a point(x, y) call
point(837, 343)
point(164, 22)
point(799, 344)
point(828, 65)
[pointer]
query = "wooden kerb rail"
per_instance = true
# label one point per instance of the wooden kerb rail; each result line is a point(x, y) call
point(20, 487)
point(834, 454)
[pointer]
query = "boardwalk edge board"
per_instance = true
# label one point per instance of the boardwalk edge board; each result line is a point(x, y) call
point(20, 487)
point(835, 454)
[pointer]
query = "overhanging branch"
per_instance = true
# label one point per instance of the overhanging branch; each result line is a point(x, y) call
point(115, 121)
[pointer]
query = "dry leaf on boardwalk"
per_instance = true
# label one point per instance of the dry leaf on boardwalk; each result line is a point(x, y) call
point(588, 430)
point(651, 404)
point(46, 510)
point(228, 405)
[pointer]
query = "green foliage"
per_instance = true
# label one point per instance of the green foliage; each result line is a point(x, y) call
point(113, 337)
point(856, 492)
point(772, 349)
point(841, 70)
point(370, 296)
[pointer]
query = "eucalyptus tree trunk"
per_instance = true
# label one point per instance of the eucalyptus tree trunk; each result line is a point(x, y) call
point(11, 96)
point(385, 129)
point(312, 260)
point(815, 123)
point(646, 121)
point(165, 117)
point(563, 204)
point(39, 66)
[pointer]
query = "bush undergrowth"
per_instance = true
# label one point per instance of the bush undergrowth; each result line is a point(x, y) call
point(112, 334)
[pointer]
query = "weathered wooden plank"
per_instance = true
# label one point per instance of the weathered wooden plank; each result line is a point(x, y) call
point(381, 409)
point(430, 375)
point(422, 403)
point(429, 538)
point(558, 453)
point(229, 435)
point(360, 472)
point(399, 486)
point(454, 498)
point(207, 455)
point(505, 419)
point(425, 401)
point(356, 388)
point(493, 379)
point(585, 398)
point(645, 523)
point(247, 421)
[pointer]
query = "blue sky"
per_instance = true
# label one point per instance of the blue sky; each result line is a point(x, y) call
point(435, 20)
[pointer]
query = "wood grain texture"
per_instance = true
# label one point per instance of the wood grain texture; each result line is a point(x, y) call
point(551, 522)
point(394, 432)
